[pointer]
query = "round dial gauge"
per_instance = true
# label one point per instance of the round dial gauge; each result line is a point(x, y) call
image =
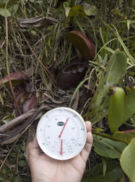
point(61, 133)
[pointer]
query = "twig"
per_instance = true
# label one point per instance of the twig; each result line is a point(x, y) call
point(38, 60)
point(19, 119)
point(16, 121)
point(76, 102)
point(16, 132)
point(8, 72)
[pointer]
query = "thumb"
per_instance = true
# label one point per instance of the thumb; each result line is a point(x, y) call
point(32, 150)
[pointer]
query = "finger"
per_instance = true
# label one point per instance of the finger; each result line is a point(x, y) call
point(88, 126)
point(86, 151)
point(33, 148)
point(87, 148)
point(89, 141)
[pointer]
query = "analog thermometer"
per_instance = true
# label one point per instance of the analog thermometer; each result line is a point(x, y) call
point(61, 133)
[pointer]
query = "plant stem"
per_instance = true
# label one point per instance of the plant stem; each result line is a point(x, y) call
point(8, 71)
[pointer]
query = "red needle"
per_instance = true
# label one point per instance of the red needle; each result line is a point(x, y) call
point(63, 128)
point(61, 147)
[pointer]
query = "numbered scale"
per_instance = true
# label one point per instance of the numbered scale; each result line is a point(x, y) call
point(61, 133)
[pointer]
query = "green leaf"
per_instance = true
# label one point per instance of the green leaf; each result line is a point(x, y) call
point(116, 108)
point(67, 8)
point(89, 10)
point(5, 12)
point(85, 10)
point(121, 107)
point(127, 160)
point(115, 71)
point(129, 103)
point(8, 7)
point(104, 166)
point(76, 10)
point(109, 49)
point(108, 148)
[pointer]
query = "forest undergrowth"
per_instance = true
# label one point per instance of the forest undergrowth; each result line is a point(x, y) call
point(78, 54)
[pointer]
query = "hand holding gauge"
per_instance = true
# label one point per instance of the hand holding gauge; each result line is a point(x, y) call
point(45, 168)
point(61, 133)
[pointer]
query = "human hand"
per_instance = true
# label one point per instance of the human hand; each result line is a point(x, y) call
point(45, 169)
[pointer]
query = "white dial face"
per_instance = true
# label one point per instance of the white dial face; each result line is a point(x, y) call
point(61, 133)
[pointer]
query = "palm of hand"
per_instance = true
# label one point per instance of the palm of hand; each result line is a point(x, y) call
point(46, 169)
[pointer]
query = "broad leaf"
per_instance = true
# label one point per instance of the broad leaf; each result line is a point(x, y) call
point(116, 108)
point(8, 7)
point(115, 71)
point(5, 12)
point(121, 107)
point(108, 148)
point(76, 10)
point(127, 160)
point(129, 103)
point(84, 10)
point(89, 9)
